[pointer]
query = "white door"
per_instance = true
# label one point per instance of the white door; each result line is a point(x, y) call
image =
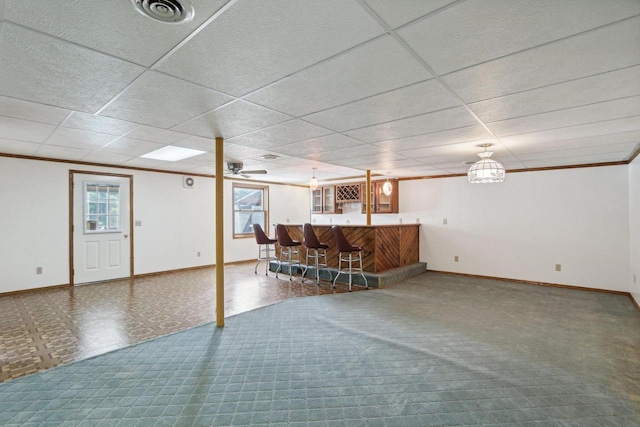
point(101, 228)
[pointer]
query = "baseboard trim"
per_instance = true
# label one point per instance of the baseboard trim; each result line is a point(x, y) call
point(176, 270)
point(24, 291)
point(530, 282)
point(633, 300)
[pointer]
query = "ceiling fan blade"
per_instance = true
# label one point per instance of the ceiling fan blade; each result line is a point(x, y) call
point(244, 175)
point(254, 171)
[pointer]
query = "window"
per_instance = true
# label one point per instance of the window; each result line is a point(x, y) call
point(101, 207)
point(250, 206)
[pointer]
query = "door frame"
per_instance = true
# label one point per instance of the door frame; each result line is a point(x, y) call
point(71, 207)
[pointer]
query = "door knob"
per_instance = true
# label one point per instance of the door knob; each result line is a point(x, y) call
point(126, 235)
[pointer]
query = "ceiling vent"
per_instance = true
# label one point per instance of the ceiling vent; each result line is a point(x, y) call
point(167, 11)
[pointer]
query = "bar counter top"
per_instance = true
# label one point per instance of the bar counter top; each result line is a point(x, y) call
point(386, 246)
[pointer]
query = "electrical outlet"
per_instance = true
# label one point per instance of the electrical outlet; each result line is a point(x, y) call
point(38, 270)
point(138, 223)
point(330, 220)
point(444, 221)
point(558, 267)
point(417, 220)
point(456, 259)
point(400, 220)
point(634, 278)
point(198, 253)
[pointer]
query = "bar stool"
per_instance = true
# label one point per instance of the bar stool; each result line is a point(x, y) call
point(316, 251)
point(289, 252)
point(348, 253)
point(266, 248)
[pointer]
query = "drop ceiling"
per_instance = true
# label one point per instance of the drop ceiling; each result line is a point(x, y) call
point(405, 88)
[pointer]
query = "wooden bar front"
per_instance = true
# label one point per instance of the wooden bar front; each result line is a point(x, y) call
point(385, 246)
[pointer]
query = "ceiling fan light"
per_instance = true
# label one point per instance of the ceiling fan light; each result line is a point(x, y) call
point(313, 184)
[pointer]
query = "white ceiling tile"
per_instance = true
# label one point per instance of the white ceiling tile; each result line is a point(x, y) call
point(67, 137)
point(57, 152)
point(574, 132)
point(470, 133)
point(280, 134)
point(152, 134)
point(602, 87)
point(411, 171)
point(205, 170)
point(114, 28)
point(156, 99)
point(23, 130)
point(432, 122)
point(602, 111)
point(197, 143)
point(316, 145)
point(131, 147)
point(399, 13)
point(367, 160)
point(231, 120)
point(8, 146)
point(100, 124)
point(43, 69)
point(25, 110)
point(334, 156)
point(206, 159)
point(262, 42)
point(141, 162)
point(580, 152)
point(532, 146)
point(374, 67)
point(598, 51)
point(576, 160)
point(243, 153)
point(495, 28)
point(462, 151)
point(102, 156)
point(405, 102)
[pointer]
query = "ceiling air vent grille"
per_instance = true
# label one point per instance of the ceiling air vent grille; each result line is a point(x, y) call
point(167, 11)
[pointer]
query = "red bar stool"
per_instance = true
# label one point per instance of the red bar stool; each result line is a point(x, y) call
point(348, 253)
point(316, 251)
point(266, 248)
point(289, 252)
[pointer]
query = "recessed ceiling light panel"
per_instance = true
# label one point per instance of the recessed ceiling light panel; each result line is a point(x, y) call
point(171, 153)
point(167, 11)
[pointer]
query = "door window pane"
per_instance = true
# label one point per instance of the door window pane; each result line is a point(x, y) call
point(101, 207)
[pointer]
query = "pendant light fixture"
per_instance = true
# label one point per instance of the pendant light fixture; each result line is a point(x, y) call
point(387, 187)
point(313, 184)
point(486, 170)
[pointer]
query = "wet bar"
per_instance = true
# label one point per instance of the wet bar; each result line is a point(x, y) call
point(386, 247)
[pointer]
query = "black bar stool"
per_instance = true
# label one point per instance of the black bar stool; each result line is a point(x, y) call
point(348, 253)
point(316, 251)
point(266, 248)
point(289, 252)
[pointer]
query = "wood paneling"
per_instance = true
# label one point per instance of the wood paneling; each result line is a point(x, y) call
point(385, 246)
point(409, 245)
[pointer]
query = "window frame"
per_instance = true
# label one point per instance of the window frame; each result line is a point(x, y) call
point(86, 202)
point(265, 208)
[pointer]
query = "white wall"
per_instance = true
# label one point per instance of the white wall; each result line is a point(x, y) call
point(287, 204)
point(177, 223)
point(634, 226)
point(521, 228)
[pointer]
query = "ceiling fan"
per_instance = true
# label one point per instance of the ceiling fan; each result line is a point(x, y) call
point(235, 168)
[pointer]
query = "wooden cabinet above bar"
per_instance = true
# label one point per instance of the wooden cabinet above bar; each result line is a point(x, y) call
point(385, 246)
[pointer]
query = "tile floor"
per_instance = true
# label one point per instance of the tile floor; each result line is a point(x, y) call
point(47, 328)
